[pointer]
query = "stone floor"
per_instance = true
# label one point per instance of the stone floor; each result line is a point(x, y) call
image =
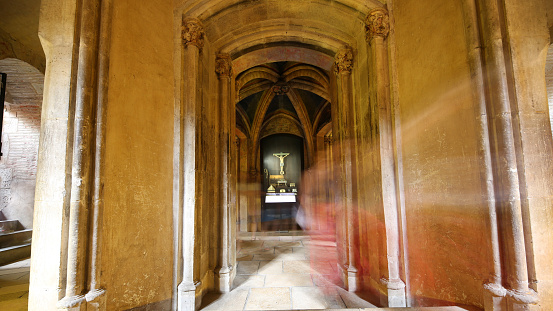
point(14, 286)
point(275, 271)
point(286, 272)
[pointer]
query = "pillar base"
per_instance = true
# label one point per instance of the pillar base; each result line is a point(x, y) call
point(72, 303)
point(522, 301)
point(352, 279)
point(222, 281)
point(497, 298)
point(494, 297)
point(96, 300)
point(186, 297)
point(395, 294)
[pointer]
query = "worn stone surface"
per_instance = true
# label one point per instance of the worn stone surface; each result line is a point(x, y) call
point(444, 209)
point(529, 43)
point(139, 157)
point(162, 224)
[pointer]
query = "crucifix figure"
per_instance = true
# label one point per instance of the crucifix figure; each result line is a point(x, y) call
point(281, 156)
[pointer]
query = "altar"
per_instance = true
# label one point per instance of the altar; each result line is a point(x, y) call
point(280, 198)
point(282, 165)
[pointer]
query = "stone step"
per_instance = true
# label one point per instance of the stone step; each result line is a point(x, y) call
point(7, 226)
point(14, 253)
point(16, 238)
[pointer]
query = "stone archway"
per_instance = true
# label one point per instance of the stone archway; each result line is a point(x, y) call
point(324, 42)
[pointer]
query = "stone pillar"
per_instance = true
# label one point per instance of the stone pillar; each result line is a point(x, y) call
point(224, 71)
point(96, 298)
point(241, 162)
point(346, 142)
point(329, 190)
point(377, 28)
point(193, 38)
point(319, 179)
point(254, 204)
point(474, 44)
point(233, 191)
point(515, 293)
point(82, 166)
point(51, 196)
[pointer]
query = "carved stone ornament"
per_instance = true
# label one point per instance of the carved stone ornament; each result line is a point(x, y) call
point(223, 66)
point(344, 61)
point(192, 32)
point(281, 88)
point(377, 24)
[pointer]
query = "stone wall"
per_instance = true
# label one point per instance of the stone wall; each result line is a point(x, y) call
point(155, 170)
point(138, 248)
point(445, 209)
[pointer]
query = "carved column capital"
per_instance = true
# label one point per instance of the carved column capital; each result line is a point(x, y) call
point(223, 66)
point(377, 24)
point(344, 61)
point(192, 32)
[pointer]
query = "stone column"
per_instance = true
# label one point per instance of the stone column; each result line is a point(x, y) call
point(224, 71)
point(474, 43)
point(505, 168)
point(193, 38)
point(241, 180)
point(82, 160)
point(319, 178)
point(377, 28)
point(52, 192)
point(346, 138)
point(233, 192)
point(96, 298)
point(329, 191)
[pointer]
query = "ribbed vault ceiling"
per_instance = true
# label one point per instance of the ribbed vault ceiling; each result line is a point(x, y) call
point(291, 89)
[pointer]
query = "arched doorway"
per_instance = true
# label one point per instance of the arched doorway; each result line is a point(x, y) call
point(282, 166)
point(278, 98)
point(269, 64)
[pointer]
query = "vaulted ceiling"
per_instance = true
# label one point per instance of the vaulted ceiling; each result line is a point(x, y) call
point(19, 32)
point(292, 90)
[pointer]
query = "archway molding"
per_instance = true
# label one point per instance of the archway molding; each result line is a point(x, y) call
point(320, 42)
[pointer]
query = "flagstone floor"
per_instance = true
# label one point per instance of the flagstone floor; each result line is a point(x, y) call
point(285, 272)
point(14, 286)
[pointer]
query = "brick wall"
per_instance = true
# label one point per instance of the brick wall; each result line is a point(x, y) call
point(20, 139)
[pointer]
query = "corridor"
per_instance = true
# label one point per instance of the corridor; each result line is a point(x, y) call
point(283, 271)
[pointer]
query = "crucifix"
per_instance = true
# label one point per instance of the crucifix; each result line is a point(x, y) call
point(281, 156)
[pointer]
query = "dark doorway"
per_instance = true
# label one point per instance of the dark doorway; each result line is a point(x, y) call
point(282, 166)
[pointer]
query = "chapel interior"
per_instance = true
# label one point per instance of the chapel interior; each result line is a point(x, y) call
point(276, 155)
